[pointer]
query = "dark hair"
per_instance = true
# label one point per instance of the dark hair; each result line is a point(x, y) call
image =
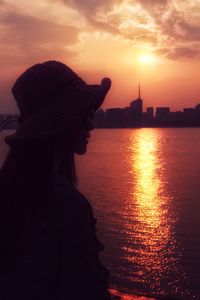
point(32, 160)
point(26, 187)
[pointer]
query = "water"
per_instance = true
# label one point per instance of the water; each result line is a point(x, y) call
point(144, 185)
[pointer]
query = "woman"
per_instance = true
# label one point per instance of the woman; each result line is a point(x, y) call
point(49, 246)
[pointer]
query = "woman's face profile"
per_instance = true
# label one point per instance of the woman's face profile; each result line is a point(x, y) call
point(79, 138)
point(80, 141)
point(82, 135)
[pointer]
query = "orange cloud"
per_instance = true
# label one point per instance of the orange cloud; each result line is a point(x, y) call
point(105, 37)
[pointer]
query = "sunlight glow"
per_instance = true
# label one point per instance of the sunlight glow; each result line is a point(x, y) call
point(147, 59)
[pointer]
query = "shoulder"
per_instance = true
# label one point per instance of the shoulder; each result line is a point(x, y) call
point(70, 200)
point(74, 213)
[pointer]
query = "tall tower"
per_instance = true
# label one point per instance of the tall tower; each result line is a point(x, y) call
point(139, 92)
point(136, 109)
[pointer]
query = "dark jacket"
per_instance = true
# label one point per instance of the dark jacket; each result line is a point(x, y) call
point(60, 258)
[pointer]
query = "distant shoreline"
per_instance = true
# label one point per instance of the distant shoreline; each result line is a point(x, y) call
point(184, 126)
point(143, 127)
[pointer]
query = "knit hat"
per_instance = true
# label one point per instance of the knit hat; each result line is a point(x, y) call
point(52, 98)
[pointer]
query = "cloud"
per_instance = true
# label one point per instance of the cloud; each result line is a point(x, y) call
point(188, 31)
point(175, 27)
point(26, 31)
point(154, 5)
point(92, 10)
point(161, 24)
point(103, 35)
point(89, 7)
point(183, 52)
point(26, 40)
point(25, 37)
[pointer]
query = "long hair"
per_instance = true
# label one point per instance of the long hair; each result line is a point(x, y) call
point(32, 161)
point(26, 189)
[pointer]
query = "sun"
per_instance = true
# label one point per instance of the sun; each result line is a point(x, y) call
point(146, 59)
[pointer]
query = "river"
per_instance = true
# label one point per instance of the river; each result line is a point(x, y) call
point(144, 186)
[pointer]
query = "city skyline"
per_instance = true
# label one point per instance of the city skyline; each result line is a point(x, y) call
point(134, 116)
point(151, 106)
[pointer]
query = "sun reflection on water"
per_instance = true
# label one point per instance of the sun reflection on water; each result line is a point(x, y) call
point(147, 191)
point(149, 225)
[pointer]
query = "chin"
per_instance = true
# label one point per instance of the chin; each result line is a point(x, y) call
point(81, 150)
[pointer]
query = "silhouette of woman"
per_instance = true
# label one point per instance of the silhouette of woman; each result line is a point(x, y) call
point(49, 249)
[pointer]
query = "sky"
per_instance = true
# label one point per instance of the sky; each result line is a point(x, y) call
point(152, 42)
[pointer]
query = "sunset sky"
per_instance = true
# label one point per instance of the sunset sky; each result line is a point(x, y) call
point(154, 42)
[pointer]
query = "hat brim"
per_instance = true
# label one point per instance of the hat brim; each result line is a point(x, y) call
point(63, 114)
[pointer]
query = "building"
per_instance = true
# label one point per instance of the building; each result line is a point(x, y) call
point(136, 110)
point(197, 113)
point(115, 117)
point(100, 119)
point(176, 119)
point(162, 115)
point(150, 113)
point(189, 115)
